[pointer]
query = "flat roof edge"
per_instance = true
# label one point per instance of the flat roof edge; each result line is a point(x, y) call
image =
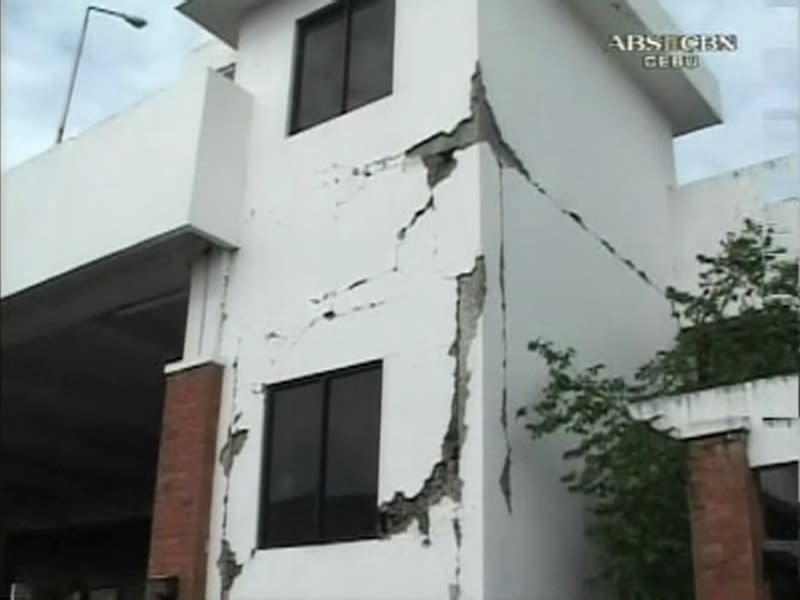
point(689, 98)
point(220, 19)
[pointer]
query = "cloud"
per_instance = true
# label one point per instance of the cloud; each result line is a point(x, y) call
point(758, 82)
point(120, 66)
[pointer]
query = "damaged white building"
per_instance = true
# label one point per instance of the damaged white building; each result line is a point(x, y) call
point(265, 334)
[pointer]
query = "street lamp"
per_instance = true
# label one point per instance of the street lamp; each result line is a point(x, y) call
point(132, 20)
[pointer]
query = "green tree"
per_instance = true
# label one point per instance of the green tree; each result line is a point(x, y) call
point(741, 324)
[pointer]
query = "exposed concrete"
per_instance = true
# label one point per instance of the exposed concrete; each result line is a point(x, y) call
point(445, 481)
point(232, 447)
point(438, 155)
point(227, 565)
point(228, 568)
point(437, 152)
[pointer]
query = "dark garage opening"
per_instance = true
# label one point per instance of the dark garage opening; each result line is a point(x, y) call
point(80, 420)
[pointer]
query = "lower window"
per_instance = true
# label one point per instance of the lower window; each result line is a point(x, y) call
point(320, 464)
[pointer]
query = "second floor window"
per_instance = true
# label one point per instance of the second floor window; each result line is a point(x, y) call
point(344, 60)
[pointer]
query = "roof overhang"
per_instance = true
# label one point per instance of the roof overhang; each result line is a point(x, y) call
point(219, 17)
point(688, 97)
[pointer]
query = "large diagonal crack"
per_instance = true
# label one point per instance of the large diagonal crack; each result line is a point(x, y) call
point(437, 153)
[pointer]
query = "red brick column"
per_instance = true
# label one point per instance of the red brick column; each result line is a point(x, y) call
point(181, 510)
point(727, 521)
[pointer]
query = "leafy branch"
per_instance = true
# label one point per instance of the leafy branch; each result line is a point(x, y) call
point(741, 324)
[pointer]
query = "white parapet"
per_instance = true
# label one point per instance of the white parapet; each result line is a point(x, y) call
point(172, 165)
point(766, 408)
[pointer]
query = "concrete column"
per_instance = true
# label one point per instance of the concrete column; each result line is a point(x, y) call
point(727, 520)
point(181, 510)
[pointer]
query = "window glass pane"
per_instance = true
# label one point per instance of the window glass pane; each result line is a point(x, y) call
point(351, 484)
point(320, 74)
point(371, 51)
point(294, 465)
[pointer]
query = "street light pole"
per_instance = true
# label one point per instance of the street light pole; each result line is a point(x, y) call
point(132, 20)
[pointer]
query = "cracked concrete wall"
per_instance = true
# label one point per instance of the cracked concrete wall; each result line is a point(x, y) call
point(349, 253)
point(600, 148)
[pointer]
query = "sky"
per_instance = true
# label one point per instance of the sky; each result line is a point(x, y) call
point(759, 84)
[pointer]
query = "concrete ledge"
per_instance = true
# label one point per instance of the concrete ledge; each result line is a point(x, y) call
point(767, 409)
point(770, 398)
point(702, 429)
point(193, 363)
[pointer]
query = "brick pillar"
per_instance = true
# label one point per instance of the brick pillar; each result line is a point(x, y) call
point(181, 510)
point(727, 520)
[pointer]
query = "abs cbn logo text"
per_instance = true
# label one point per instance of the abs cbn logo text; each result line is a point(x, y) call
point(673, 51)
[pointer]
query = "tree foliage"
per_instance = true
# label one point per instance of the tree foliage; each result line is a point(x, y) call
point(740, 324)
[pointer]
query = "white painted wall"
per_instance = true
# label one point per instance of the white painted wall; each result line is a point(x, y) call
point(174, 161)
point(704, 211)
point(311, 225)
point(598, 145)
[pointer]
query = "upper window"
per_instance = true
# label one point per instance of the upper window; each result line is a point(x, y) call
point(344, 60)
point(320, 469)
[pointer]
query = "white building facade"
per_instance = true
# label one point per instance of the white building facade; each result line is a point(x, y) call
point(366, 223)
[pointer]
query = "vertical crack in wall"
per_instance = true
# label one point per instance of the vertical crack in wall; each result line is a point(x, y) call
point(505, 474)
point(227, 566)
point(229, 569)
point(455, 588)
point(445, 481)
point(223, 303)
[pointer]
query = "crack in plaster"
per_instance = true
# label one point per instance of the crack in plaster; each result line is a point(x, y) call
point(505, 474)
point(232, 447)
point(342, 173)
point(418, 214)
point(329, 314)
point(445, 481)
point(227, 566)
point(223, 304)
point(455, 588)
point(335, 293)
point(437, 151)
point(437, 154)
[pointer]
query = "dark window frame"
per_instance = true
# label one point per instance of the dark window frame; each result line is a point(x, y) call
point(324, 378)
point(299, 56)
